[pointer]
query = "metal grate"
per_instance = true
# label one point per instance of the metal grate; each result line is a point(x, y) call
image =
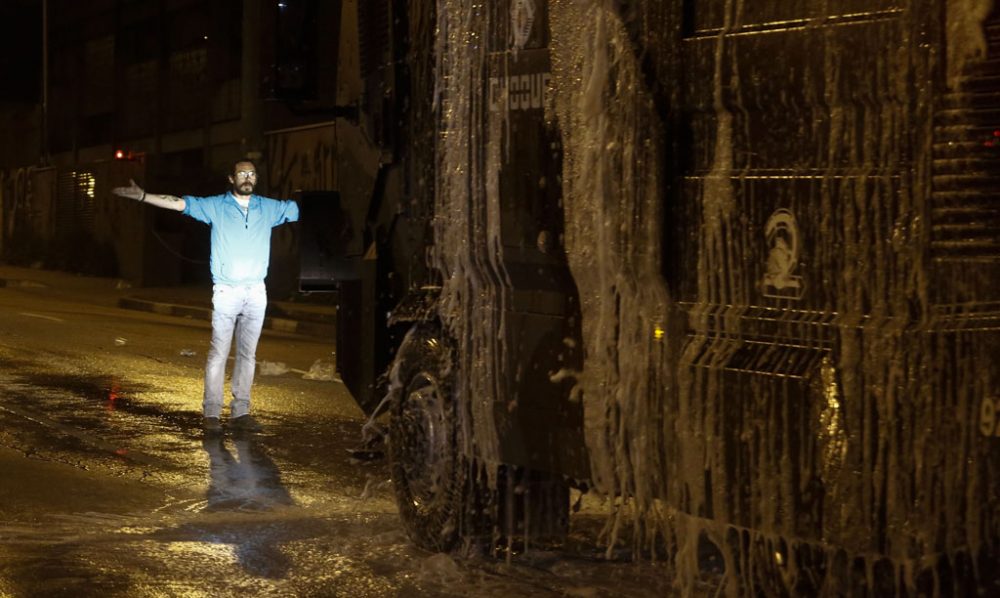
point(965, 202)
point(74, 203)
point(373, 23)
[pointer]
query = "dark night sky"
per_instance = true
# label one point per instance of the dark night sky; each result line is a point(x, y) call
point(20, 50)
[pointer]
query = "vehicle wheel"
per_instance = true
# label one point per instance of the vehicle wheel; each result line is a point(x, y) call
point(428, 472)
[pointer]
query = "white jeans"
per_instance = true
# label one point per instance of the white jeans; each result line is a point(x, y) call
point(241, 308)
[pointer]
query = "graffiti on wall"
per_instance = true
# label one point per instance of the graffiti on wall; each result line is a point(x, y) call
point(301, 159)
point(16, 198)
point(53, 217)
point(298, 159)
point(25, 208)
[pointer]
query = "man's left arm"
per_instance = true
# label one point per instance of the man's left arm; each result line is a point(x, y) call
point(285, 211)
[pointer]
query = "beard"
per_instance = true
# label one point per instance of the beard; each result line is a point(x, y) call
point(244, 188)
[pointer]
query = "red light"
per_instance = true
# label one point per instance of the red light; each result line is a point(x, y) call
point(119, 155)
point(112, 397)
point(996, 133)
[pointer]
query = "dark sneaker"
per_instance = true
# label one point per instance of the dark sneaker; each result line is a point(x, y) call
point(211, 425)
point(245, 423)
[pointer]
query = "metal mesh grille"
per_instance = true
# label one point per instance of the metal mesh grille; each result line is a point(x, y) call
point(373, 17)
point(75, 191)
point(965, 208)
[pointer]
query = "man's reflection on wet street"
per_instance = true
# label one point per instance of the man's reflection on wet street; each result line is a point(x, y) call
point(248, 481)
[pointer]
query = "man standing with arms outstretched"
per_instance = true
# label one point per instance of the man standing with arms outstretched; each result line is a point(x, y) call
point(241, 224)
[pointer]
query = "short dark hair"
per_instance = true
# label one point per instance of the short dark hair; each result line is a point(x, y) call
point(232, 169)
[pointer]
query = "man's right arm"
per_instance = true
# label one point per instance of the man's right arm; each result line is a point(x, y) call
point(133, 191)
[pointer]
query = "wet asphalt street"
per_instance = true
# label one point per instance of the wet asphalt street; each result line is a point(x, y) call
point(108, 486)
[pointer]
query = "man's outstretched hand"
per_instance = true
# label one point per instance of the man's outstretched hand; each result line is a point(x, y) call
point(133, 191)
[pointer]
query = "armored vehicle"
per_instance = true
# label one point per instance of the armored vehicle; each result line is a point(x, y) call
point(732, 265)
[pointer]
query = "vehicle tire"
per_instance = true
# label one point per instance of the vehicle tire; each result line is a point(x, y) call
point(428, 472)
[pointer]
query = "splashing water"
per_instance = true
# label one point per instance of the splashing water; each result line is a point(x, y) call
point(613, 205)
point(467, 249)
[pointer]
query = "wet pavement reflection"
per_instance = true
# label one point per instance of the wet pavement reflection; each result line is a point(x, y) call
point(245, 478)
point(109, 488)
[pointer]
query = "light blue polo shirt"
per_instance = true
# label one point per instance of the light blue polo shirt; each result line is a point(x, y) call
point(241, 242)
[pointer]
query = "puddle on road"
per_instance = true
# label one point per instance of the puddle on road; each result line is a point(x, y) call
point(110, 393)
point(97, 420)
point(292, 551)
point(245, 478)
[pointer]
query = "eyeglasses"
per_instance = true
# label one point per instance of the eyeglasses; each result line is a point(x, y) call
point(246, 174)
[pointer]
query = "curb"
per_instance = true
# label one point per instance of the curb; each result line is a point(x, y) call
point(324, 330)
point(277, 324)
point(5, 282)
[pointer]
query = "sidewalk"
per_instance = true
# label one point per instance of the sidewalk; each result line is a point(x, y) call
point(308, 319)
